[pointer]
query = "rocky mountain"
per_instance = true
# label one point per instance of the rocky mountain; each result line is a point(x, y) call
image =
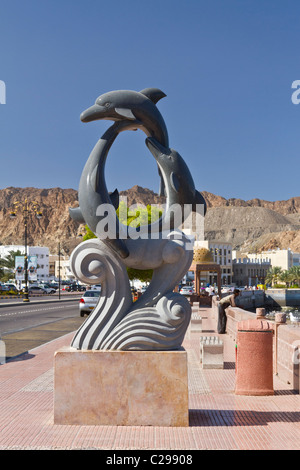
point(288, 207)
point(54, 227)
point(251, 225)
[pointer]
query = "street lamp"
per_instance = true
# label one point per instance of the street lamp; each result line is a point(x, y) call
point(26, 208)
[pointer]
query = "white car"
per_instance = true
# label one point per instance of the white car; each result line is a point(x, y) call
point(96, 287)
point(36, 290)
point(88, 301)
point(227, 289)
point(47, 288)
point(187, 290)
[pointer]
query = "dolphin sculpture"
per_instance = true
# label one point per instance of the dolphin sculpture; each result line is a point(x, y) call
point(130, 110)
point(134, 106)
point(179, 184)
point(159, 319)
point(138, 107)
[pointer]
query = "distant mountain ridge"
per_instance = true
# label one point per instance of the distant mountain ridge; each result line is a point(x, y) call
point(255, 224)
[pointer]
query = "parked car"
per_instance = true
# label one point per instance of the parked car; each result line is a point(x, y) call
point(96, 287)
point(88, 301)
point(49, 289)
point(187, 290)
point(75, 288)
point(11, 288)
point(3, 287)
point(227, 289)
point(36, 290)
point(54, 285)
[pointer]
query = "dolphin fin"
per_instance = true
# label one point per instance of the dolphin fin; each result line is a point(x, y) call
point(161, 191)
point(125, 112)
point(75, 214)
point(175, 181)
point(114, 197)
point(154, 94)
point(199, 199)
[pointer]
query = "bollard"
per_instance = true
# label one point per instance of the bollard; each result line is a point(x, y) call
point(211, 352)
point(196, 322)
point(260, 313)
point(254, 364)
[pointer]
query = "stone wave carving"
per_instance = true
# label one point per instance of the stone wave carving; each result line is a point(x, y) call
point(93, 263)
point(157, 321)
point(157, 328)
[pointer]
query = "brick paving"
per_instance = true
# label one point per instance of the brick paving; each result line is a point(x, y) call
point(218, 418)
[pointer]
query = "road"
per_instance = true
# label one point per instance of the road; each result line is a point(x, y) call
point(24, 326)
point(25, 315)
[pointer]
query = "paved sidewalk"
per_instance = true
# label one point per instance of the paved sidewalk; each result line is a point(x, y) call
point(219, 419)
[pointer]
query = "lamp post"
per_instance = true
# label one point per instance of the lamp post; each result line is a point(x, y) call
point(26, 208)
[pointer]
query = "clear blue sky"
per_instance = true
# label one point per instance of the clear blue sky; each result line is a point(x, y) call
point(226, 66)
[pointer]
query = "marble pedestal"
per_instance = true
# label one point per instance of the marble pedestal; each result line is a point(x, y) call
point(123, 388)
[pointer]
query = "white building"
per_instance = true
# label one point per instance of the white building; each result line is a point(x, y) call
point(285, 259)
point(61, 265)
point(41, 252)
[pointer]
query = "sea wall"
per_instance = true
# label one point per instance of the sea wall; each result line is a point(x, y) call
point(250, 299)
point(282, 297)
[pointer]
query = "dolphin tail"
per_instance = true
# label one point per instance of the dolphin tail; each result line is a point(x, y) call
point(199, 199)
point(115, 199)
point(75, 214)
point(154, 94)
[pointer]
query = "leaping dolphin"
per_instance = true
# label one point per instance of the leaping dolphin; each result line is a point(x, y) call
point(130, 110)
point(130, 105)
point(179, 184)
point(138, 107)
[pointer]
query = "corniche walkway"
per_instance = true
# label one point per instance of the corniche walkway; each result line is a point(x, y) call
point(218, 419)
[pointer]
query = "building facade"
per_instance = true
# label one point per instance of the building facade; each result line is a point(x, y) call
point(222, 255)
point(41, 252)
point(284, 259)
point(250, 272)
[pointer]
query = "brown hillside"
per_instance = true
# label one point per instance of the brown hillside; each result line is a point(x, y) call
point(255, 223)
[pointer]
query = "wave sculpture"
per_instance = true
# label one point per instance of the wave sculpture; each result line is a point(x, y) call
point(159, 318)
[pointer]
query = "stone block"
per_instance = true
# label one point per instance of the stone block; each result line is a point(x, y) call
point(211, 352)
point(196, 322)
point(123, 388)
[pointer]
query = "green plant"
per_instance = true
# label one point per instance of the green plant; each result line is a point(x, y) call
point(273, 275)
point(134, 218)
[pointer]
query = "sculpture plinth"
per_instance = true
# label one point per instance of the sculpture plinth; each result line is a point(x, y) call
point(122, 388)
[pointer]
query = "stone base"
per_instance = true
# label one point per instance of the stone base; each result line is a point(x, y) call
point(123, 388)
point(211, 353)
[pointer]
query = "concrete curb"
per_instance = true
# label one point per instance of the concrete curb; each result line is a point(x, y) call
point(14, 304)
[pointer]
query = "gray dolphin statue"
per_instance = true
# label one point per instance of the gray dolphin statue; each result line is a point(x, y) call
point(180, 188)
point(133, 106)
point(179, 185)
point(130, 110)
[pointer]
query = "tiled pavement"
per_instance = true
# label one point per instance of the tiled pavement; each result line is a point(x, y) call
point(219, 419)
